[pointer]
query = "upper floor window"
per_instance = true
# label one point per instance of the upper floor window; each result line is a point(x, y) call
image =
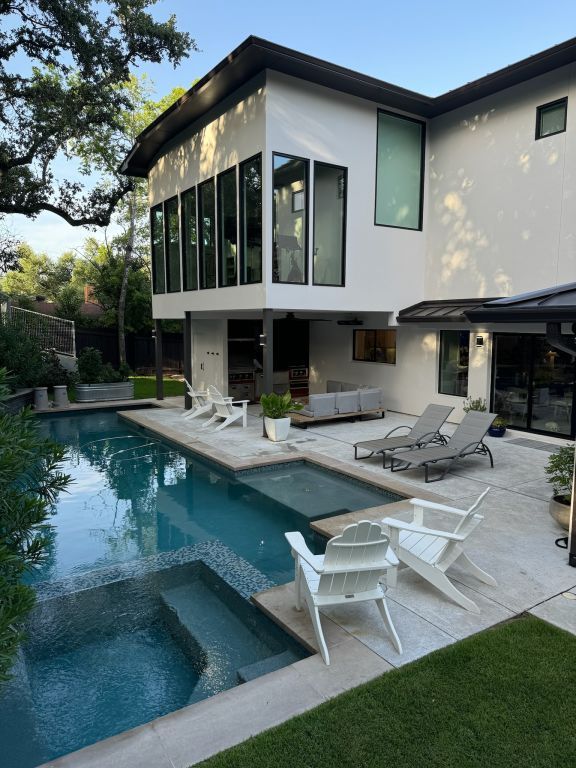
point(189, 239)
point(329, 224)
point(399, 171)
point(551, 118)
point(251, 220)
point(207, 233)
point(158, 260)
point(375, 346)
point(227, 228)
point(453, 368)
point(290, 220)
point(172, 234)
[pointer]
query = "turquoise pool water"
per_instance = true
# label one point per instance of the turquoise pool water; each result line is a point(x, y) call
point(134, 496)
point(142, 603)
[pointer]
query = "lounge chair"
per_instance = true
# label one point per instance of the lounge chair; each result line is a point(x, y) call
point(431, 552)
point(466, 440)
point(425, 430)
point(201, 403)
point(227, 409)
point(349, 572)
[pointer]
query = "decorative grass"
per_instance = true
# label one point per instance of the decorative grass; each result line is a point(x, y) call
point(504, 698)
point(145, 386)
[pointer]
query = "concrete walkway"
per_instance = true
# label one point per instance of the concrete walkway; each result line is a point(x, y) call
point(515, 544)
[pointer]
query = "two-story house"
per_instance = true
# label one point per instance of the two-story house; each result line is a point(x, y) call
point(309, 223)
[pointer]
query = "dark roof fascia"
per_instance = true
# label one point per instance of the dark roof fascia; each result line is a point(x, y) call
point(256, 54)
point(522, 315)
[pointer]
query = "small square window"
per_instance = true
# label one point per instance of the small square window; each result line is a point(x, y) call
point(551, 118)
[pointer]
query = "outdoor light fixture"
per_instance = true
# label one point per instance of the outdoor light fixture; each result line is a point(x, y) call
point(262, 339)
point(479, 341)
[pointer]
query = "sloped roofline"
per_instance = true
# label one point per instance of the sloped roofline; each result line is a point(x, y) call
point(256, 54)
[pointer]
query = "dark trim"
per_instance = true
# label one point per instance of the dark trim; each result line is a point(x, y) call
point(159, 359)
point(169, 288)
point(187, 356)
point(242, 219)
point(219, 237)
point(201, 287)
point(422, 125)
point(306, 162)
point(182, 195)
point(342, 284)
point(543, 107)
point(256, 55)
point(155, 291)
point(410, 314)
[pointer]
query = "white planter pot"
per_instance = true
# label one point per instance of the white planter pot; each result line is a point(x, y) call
point(277, 429)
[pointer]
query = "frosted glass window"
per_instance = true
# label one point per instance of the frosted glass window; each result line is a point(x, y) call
point(551, 118)
point(399, 172)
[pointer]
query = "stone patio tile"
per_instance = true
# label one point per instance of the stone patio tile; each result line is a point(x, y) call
point(201, 730)
point(138, 747)
point(418, 636)
point(560, 611)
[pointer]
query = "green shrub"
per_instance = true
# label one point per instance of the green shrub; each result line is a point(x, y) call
point(53, 372)
point(277, 406)
point(90, 366)
point(30, 479)
point(560, 471)
point(474, 404)
point(20, 354)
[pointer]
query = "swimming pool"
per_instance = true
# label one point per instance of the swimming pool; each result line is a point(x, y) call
point(142, 601)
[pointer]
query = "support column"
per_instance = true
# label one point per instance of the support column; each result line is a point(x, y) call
point(188, 356)
point(268, 350)
point(159, 360)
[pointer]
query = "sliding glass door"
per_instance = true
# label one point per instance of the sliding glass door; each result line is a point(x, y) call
point(533, 384)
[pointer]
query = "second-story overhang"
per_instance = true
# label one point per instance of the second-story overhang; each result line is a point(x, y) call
point(256, 55)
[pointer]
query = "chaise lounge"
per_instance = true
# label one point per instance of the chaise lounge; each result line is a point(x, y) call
point(425, 430)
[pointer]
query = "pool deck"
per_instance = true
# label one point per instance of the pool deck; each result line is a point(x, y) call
point(515, 544)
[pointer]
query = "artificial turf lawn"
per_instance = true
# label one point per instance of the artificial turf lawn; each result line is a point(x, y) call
point(145, 386)
point(500, 699)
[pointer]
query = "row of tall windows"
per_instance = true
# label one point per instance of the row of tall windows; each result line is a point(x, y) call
point(200, 241)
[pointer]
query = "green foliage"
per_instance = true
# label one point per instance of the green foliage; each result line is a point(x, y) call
point(53, 372)
point(560, 471)
point(92, 369)
point(30, 479)
point(500, 422)
point(80, 54)
point(70, 299)
point(20, 354)
point(474, 404)
point(277, 406)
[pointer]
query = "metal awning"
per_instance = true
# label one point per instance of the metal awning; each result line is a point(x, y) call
point(440, 311)
point(549, 305)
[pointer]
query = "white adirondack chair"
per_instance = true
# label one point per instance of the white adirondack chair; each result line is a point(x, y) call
point(349, 572)
point(430, 552)
point(201, 403)
point(226, 409)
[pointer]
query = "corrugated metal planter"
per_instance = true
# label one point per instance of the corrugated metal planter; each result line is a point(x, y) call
point(120, 390)
point(15, 402)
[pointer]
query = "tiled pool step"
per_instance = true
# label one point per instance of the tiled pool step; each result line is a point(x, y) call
point(271, 664)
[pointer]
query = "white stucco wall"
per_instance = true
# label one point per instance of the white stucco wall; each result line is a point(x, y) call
point(384, 265)
point(502, 212)
point(202, 153)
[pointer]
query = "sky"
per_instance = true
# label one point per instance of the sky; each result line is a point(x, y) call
point(429, 47)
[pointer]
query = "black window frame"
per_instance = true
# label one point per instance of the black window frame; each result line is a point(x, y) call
point(344, 222)
point(194, 189)
point(169, 288)
point(439, 378)
point(374, 331)
point(200, 214)
point(219, 238)
point(242, 220)
point(423, 125)
point(155, 291)
point(306, 209)
point(548, 105)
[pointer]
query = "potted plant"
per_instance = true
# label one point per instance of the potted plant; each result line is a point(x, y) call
point(560, 471)
point(275, 409)
point(498, 427)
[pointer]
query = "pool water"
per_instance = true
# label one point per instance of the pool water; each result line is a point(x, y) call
point(142, 601)
point(135, 495)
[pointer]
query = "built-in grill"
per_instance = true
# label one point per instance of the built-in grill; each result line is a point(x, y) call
point(241, 384)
